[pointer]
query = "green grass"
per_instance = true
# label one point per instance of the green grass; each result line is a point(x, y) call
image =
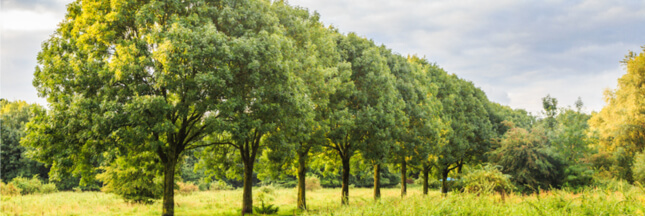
point(327, 202)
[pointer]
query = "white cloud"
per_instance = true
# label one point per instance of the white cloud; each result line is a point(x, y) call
point(25, 20)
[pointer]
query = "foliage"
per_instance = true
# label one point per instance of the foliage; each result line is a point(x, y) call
point(9, 189)
point(31, 186)
point(619, 126)
point(266, 195)
point(487, 179)
point(526, 157)
point(15, 160)
point(134, 178)
point(220, 185)
point(578, 175)
point(639, 168)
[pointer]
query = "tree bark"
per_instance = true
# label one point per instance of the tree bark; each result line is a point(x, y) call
point(345, 187)
point(247, 195)
point(426, 172)
point(377, 181)
point(302, 170)
point(460, 165)
point(404, 178)
point(168, 208)
point(444, 183)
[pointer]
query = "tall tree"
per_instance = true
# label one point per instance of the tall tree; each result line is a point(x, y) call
point(621, 123)
point(132, 77)
point(360, 117)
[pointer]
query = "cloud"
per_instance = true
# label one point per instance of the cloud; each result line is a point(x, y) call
point(516, 51)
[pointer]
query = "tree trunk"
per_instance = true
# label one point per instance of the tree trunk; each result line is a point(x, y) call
point(404, 177)
point(168, 208)
point(302, 170)
point(247, 195)
point(345, 188)
point(377, 181)
point(460, 165)
point(444, 183)
point(426, 172)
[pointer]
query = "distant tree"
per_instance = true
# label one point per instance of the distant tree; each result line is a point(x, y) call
point(15, 161)
point(525, 156)
point(550, 106)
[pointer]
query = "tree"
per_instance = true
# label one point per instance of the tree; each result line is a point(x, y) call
point(134, 77)
point(621, 123)
point(15, 161)
point(464, 107)
point(360, 117)
point(526, 157)
point(550, 106)
point(418, 136)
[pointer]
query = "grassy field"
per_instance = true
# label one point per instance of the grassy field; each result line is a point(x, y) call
point(327, 202)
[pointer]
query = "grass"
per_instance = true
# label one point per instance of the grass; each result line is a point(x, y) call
point(327, 202)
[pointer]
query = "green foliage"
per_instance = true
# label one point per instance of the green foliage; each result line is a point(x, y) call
point(639, 168)
point(486, 180)
point(31, 186)
point(527, 158)
point(578, 175)
point(15, 158)
point(220, 185)
point(134, 178)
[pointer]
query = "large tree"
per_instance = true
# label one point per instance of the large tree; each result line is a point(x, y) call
point(129, 77)
point(620, 125)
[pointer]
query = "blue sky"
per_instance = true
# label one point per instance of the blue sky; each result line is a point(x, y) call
point(516, 51)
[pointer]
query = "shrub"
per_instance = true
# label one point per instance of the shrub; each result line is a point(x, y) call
point(312, 183)
point(48, 188)
point(486, 180)
point(220, 185)
point(27, 186)
point(186, 188)
point(265, 196)
point(9, 189)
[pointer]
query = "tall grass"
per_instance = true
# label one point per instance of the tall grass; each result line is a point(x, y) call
point(629, 201)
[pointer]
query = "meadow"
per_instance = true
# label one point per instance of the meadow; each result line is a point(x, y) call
point(627, 201)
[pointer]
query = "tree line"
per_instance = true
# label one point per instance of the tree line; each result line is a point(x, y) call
point(137, 89)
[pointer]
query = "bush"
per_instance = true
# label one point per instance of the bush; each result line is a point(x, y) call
point(9, 189)
point(31, 186)
point(486, 180)
point(186, 188)
point(220, 185)
point(27, 186)
point(48, 188)
point(312, 183)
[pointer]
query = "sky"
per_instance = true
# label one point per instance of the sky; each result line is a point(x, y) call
point(516, 51)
